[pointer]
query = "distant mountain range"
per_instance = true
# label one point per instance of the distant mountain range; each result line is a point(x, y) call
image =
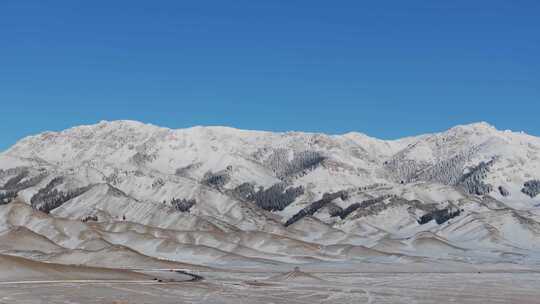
point(124, 194)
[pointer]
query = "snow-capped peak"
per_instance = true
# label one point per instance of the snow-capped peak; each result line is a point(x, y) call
point(341, 191)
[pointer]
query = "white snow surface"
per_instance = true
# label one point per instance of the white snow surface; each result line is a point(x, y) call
point(133, 170)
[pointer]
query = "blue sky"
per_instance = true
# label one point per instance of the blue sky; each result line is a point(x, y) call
point(385, 68)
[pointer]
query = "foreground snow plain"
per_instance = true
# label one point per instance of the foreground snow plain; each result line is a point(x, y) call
point(229, 287)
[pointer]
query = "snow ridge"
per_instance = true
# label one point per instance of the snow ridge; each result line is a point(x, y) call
point(219, 195)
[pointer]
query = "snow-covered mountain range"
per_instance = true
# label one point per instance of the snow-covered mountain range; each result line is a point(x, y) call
point(124, 193)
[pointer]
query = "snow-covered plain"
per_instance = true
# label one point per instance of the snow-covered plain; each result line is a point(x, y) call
point(124, 194)
point(254, 288)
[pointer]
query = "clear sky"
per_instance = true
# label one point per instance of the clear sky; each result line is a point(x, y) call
point(385, 68)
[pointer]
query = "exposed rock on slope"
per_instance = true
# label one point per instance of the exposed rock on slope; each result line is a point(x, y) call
point(531, 188)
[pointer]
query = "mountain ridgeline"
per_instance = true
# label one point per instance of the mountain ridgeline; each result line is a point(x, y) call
point(315, 189)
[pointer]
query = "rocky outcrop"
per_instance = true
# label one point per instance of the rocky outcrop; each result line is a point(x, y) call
point(217, 179)
point(503, 191)
point(473, 181)
point(49, 198)
point(300, 163)
point(277, 197)
point(183, 205)
point(440, 216)
point(531, 188)
point(315, 206)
